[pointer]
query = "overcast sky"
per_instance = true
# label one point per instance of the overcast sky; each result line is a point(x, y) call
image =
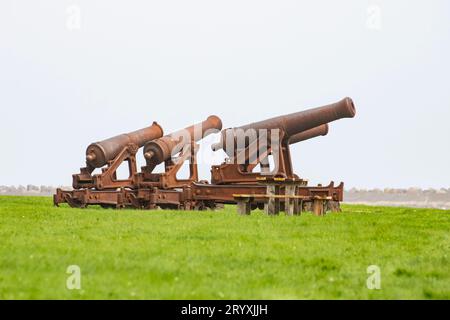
point(75, 72)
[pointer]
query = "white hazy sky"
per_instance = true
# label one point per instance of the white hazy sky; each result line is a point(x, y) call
point(132, 62)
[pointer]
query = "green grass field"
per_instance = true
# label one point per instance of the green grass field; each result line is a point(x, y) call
point(219, 255)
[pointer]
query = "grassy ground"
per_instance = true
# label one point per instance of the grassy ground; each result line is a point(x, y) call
point(219, 255)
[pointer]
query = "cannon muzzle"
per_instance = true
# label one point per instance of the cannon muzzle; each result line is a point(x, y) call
point(161, 149)
point(98, 154)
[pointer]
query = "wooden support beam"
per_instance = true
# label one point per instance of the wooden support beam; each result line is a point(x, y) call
point(298, 206)
point(334, 206)
point(289, 202)
point(244, 207)
point(273, 206)
point(318, 207)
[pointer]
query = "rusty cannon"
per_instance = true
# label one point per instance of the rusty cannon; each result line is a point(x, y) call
point(145, 189)
point(272, 188)
point(112, 153)
point(238, 180)
point(107, 155)
point(100, 153)
point(249, 145)
point(173, 150)
point(291, 124)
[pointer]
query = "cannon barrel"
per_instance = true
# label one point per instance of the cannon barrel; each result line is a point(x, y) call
point(99, 153)
point(293, 123)
point(301, 121)
point(309, 134)
point(159, 150)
